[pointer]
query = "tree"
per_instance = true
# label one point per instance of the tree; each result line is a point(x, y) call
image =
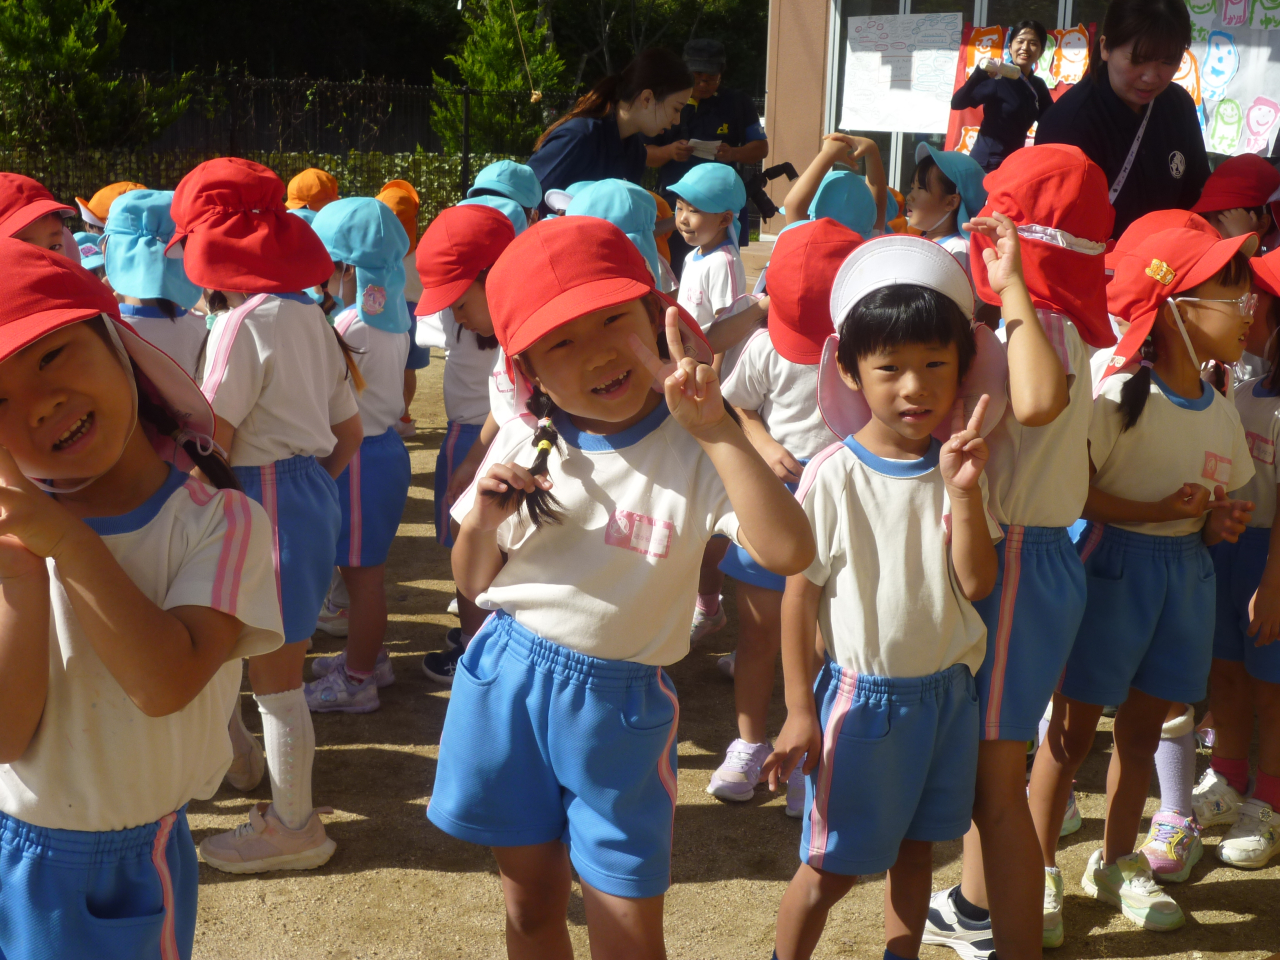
point(492, 60)
point(56, 87)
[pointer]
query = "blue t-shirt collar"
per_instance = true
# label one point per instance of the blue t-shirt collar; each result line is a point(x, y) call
point(601, 443)
point(1187, 403)
point(897, 468)
point(141, 515)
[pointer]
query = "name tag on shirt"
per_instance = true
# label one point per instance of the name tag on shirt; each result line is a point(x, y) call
point(645, 535)
point(1216, 467)
point(503, 383)
point(1260, 448)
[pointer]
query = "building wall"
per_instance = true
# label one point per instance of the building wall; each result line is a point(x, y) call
point(797, 83)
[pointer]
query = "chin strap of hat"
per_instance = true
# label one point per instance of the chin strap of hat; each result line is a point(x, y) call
point(1060, 238)
point(1177, 318)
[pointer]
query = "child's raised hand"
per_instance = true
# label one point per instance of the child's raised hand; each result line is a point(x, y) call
point(33, 525)
point(964, 456)
point(1237, 222)
point(491, 507)
point(1264, 613)
point(799, 742)
point(692, 389)
point(1004, 260)
point(1228, 518)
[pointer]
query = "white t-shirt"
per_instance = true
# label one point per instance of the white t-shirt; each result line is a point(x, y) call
point(382, 361)
point(891, 603)
point(1259, 411)
point(617, 579)
point(468, 367)
point(273, 370)
point(1039, 476)
point(713, 288)
point(182, 338)
point(1175, 441)
point(785, 394)
point(99, 763)
point(957, 244)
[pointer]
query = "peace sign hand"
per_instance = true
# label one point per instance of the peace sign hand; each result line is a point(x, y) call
point(964, 456)
point(692, 389)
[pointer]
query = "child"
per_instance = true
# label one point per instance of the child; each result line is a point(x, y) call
point(1163, 448)
point(841, 194)
point(94, 211)
point(154, 293)
point(131, 591)
point(774, 388)
point(514, 181)
point(1240, 195)
point(628, 207)
point(363, 234)
point(1246, 659)
point(29, 212)
point(91, 258)
point(454, 259)
point(277, 378)
point(582, 535)
point(945, 191)
point(509, 208)
point(1046, 209)
point(311, 190)
point(904, 548)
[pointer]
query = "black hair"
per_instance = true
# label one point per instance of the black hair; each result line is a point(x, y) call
point(1035, 26)
point(485, 343)
point(1159, 29)
point(1134, 393)
point(926, 164)
point(904, 313)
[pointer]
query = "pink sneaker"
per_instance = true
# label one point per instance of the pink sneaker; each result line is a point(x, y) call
point(1172, 846)
point(265, 843)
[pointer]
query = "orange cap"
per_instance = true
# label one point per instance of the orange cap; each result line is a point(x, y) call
point(664, 212)
point(94, 210)
point(402, 198)
point(312, 189)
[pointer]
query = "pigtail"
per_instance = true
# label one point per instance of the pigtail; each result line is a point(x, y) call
point(327, 304)
point(1136, 390)
point(349, 355)
point(155, 415)
point(542, 505)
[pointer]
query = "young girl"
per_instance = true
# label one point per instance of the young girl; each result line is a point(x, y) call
point(367, 245)
point(278, 380)
point(131, 591)
point(1164, 447)
point(946, 190)
point(155, 294)
point(30, 213)
point(583, 534)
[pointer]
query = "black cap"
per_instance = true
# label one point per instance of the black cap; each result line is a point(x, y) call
point(704, 56)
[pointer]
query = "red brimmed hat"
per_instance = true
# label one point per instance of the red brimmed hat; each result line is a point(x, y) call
point(1245, 181)
point(1159, 268)
point(237, 234)
point(1057, 197)
point(1154, 222)
point(561, 269)
point(802, 269)
point(23, 201)
point(45, 291)
point(456, 247)
point(1266, 272)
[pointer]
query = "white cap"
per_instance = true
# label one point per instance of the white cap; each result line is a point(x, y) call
point(558, 200)
point(896, 259)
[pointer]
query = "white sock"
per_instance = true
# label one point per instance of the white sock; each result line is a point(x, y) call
point(290, 742)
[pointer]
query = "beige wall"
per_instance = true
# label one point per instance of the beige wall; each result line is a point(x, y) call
point(796, 75)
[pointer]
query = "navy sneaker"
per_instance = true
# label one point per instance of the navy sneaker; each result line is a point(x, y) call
point(441, 665)
point(946, 928)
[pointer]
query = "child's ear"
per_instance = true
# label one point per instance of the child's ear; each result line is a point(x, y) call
point(526, 368)
point(727, 218)
point(952, 202)
point(849, 380)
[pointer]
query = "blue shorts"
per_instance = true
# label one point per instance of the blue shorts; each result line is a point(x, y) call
point(1032, 618)
point(737, 563)
point(899, 762)
point(116, 895)
point(542, 743)
point(459, 438)
point(1148, 619)
point(302, 502)
point(372, 492)
point(1239, 569)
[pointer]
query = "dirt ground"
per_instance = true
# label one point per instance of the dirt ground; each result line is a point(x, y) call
point(398, 887)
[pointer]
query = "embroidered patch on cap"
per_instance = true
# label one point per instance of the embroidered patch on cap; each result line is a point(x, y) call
point(1161, 272)
point(374, 300)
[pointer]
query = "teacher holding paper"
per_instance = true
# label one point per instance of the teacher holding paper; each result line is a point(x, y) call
point(716, 125)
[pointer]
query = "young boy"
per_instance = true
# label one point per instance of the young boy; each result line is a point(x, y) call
point(946, 192)
point(905, 545)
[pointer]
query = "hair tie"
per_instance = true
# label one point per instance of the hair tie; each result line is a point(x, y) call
point(544, 445)
point(1146, 363)
point(544, 423)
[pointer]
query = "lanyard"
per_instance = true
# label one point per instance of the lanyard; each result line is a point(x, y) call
point(1128, 161)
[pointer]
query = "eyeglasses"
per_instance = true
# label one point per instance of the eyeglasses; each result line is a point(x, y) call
point(1244, 305)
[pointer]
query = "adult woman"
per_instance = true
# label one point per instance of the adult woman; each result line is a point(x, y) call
point(1130, 118)
point(602, 136)
point(1010, 105)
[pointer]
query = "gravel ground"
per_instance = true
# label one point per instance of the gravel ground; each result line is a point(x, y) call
point(398, 887)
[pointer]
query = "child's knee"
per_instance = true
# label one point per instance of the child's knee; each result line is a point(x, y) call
point(1227, 679)
point(825, 889)
point(533, 909)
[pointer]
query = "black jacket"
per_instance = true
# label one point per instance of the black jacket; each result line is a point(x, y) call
point(1009, 108)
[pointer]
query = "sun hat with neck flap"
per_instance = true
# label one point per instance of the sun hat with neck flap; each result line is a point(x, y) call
point(365, 233)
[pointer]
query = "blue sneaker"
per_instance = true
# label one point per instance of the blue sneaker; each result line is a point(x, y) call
point(946, 928)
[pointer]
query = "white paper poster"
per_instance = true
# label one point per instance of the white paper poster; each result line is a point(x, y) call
point(899, 72)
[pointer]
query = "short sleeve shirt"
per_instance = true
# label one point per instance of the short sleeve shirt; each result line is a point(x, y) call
point(181, 337)
point(99, 763)
point(588, 149)
point(713, 285)
point(381, 362)
point(1259, 410)
point(468, 367)
point(728, 115)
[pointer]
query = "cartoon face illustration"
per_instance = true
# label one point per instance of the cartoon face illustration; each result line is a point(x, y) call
point(1235, 13)
point(1219, 65)
point(984, 42)
point(1258, 121)
point(1072, 57)
point(1225, 127)
point(1188, 75)
point(967, 137)
point(1203, 7)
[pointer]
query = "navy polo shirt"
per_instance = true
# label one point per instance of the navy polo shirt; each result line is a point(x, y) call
point(726, 115)
point(587, 148)
point(1009, 108)
point(1171, 166)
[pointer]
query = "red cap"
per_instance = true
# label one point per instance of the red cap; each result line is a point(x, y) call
point(1266, 272)
point(461, 242)
point(802, 270)
point(1244, 181)
point(23, 201)
point(1057, 197)
point(544, 280)
point(1162, 266)
point(238, 234)
point(1154, 222)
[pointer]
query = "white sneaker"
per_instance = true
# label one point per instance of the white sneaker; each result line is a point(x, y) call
point(336, 692)
point(736, 778)
point(1214, 800)
point(1253, 839)
point(452, 607)
point(944, 927)
point(1129, 885)
point(1052, 907)
point(265, 843)
point(382, 671)
point(1071, 820)
point(795, 792)
point(704, 625)
point(332, 620)
point(727, 664)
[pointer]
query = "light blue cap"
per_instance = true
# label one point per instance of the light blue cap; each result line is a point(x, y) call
point(365, 233)
point(306, 213)
point(965, 172)
point(515, 181)
point(133, 241)
point(845, 197)
point(712, 188)
point(558, 200)
point(513, 210)
point(628, 207)
point(90, 245)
